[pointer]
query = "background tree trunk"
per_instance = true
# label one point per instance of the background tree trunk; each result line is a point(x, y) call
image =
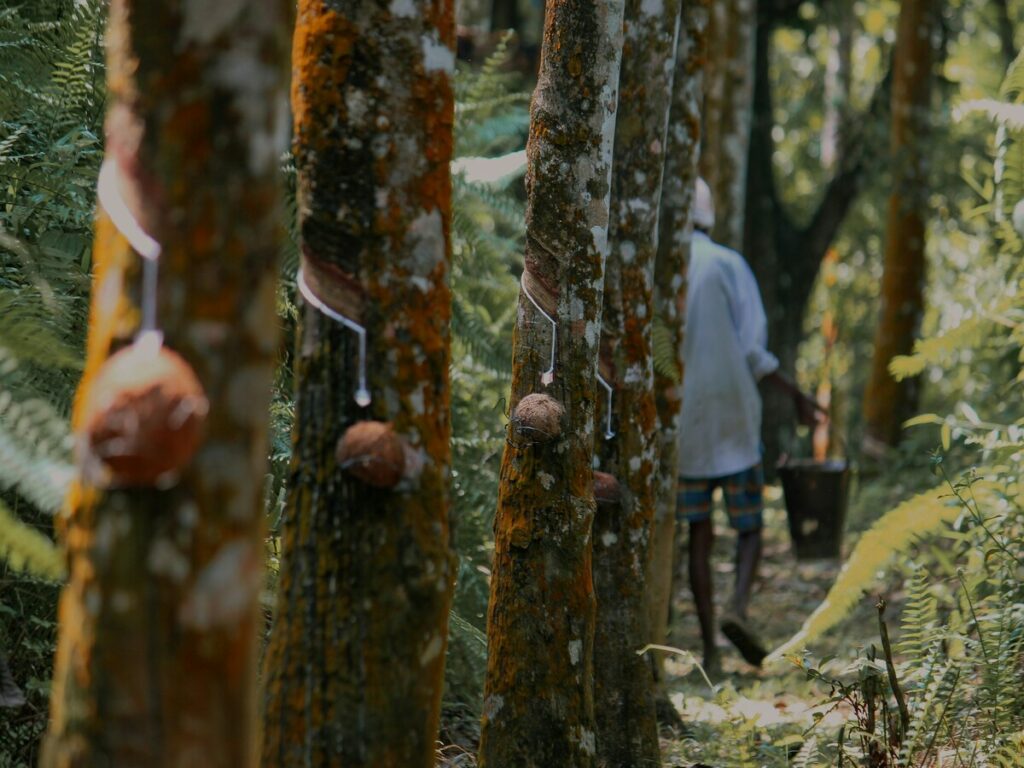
point(729, 89)
point(785, 255)
point(538, 701)
point(158, 623)
point(675, 231)
point(354, 669)
point(623, 692)
point(887, 403)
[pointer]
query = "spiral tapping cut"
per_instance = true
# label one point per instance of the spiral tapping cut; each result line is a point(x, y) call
point(609, 433)
point(362, 395)
point(547, 376)
point(142, 242)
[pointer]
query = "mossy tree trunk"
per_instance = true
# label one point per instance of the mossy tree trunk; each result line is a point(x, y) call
point(538, 701)
point(728, 103)
point(159, 623)
point(623, 697)
point(675, 228)
point(887, 403)
point(355, 664)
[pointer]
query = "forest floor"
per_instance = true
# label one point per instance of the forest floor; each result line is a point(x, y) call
point(762, 716)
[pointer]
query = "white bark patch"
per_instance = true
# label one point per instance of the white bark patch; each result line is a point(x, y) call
point(402, 9)
point(588, 742)
point(601, 238)
point(416, 399)
point(493, 705)
point(357, 105)
point(634, 464)
point(575, 650)
point(225, 588)
point(432, 651)
point(637, 205)
point(627, 251)
point(608, 538)
point(165, 560)
point(425, 240)
point(547, 481)
point(203, 21)
point(592, 333)
point(576, 308)
point(634, 375)
point(437, 57)
point(241, 70)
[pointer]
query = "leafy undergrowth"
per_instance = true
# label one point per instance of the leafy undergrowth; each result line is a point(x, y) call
point(773, 716)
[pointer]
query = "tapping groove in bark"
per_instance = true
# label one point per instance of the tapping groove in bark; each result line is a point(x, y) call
point(785, 254)
point(887, 403)
point(623, 687)
point(158, 623)
point(675, 231)
point(355, 664)
point(538, 698)
point(728, 88)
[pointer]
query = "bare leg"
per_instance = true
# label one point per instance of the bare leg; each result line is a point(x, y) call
point(748, 557)
point(702, 537)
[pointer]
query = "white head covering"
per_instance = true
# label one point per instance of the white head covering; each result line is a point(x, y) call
point(703, 206)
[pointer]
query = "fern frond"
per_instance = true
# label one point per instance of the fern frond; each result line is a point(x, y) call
point(32, 438)
point(505, 206)
point(919, 617)
point(891, 534)
point(27, 550)
point(664, 352)
point(1010, 116)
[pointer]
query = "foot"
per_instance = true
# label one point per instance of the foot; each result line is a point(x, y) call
point(712, 666)
point(747, 643)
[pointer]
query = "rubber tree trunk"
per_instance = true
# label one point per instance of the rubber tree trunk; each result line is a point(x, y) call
point(623, 690)
point(355, 665)
point(887, 403)
point(729, 90)
point(159, 625)
point(538, 700)
point(675, 232)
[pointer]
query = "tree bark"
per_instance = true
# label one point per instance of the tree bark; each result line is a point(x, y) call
point(159, 623)
point(538, 701)
point(729, 90)
point(887, 403)
point(675, 231)
point(623, 691)
point(354, 669)
point(785, 255)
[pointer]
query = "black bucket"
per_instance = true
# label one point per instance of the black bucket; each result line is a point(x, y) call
point(816, 495)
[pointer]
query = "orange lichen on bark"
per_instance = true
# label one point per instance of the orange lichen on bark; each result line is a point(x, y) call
point(157, 622)
point(538, 700)
point(623, 699)
point(675, 231)
point(354, 668)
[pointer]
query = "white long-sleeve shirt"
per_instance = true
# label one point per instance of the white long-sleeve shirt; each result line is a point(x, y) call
point(725, 351)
